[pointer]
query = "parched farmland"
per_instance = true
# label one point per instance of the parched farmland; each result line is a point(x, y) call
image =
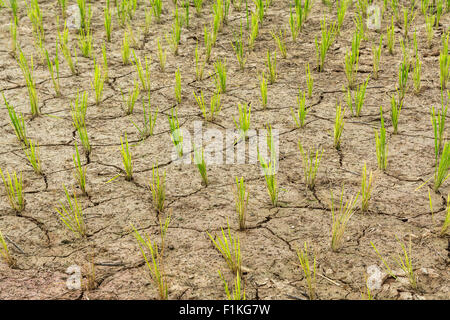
point(224, 149)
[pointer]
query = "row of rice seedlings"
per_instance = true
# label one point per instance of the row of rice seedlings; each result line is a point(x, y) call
point(360, 93)
point(63, 41)
point(351, 60)
point(158, 189)
point(162, 55)
point(338, 126)
point(239, 49)
point(5, 253)
point(14, 190)
point(17, 122)
point(238, 292)
point(27, 71)
point(376, 51)
point(107, 21)
point(176, 134)
point(254, 32)
point(174, 39)
point(80, 170)
point(53, 67)
point(241, 199)
point(244, 119)
point(300, 116)
point(328, 34)
point(403, 262)
point(72, 216)
point(280, 41)
point(177, 87)
point(229, 247)
point(130, 100)
point(309, 270)
point(269, 169)
point(33, 155)
point(381, 144)
point(143, 73)
point(199, 160)
point(340, 216)
point(220, 76)
point(126, 158)
point(149, 119)
point(79, 108)
point(311, 161)
point(156, 262)
point(366, 188)
point(263, 89)
point(271, 65)
point(444, 62)
point(98, 83)
point(215, 105)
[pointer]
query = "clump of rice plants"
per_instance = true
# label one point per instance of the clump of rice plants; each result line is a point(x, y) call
point(72, 215)
point(442, 167)
point(366, 188)
point(244, 119)
point(338, 126)
point(238, 292)
point(143, 71)
point(269, 169)
point(340, 216)
point(80, 170)
point(351, 60)
point(220, 76)
point(175, 132)
point(280, 41)
point(98, 83)
point(177, 87)
point(158, 189)
point(300, 116)
point(33, 156)
point(17, 122)
point(309, 270)
point(309, 81)
point(149, 119)
point(239, 49)
point(14, 190)
point(5, 253)
point(215, 105)
point(229, 247)
point(162, 55)
point(79, 108)
point(390, 36)
point(130, 101)
point(311, 161)
point(254, 32)
point(63, 41)
point(263, 89)
point(199, 160)
point(241, 199)
point(27, 71)
point(376, 51)
point(271, 65)
point(126, 159)
point(53, 67)
point(360, 94)
point(444, 62)
point(381, 144)
point(328, 34)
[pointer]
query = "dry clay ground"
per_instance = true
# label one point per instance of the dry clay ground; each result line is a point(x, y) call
point(44, 248)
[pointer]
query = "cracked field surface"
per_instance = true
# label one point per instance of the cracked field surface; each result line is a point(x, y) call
point(44, 248)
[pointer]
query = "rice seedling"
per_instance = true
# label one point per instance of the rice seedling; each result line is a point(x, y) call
point(107, 21)
point(157, 9)
point(158, 189)
point(126, 158)
point(162, 56)
point(341, 11)
point(229, 247)
point(199, 66)
point(446, 222)
point(366, 188)
point(244, 119)
point(5, 253)
point(425, 6)
point(441, 169)
point(33, 156)
point(98, 83)
point(148, 21)
point(396, 107)
point(72, 216)
point(143, 73)
point(280, 41)
point(309, 270)
point(220, 76)
point(85, 42)
point(429, 23)
point(83, 14)
point(271, 65)
point(403, 74)
point(381, 144)
point(238, 47)
point(35, 15)
point(259, 4)
point(186, 12)
point(263, 90)
point(309, 80)
point(53, 67)
point(13, 34)
point(63, 41)
point(390, 36)
point(311, 161)
point(156, 264)
point(439, 9)
point(130, 100)
point(404, 263)
point(327, 37)
point(198, 4)
point(444, 62)
point(14, 190)
point(241, 199)
point(376, 52)
point(177, 87)
point(238, 292)
point(408, 18)
point(27, 71)
point(126, 49)
point(340, 216)
point(175, 35)
point(199, 160)
point(360, 21)
point(271, 178)
point(359, 98)
point(215, 105)
point(149, 119)
point(438, 123)
point(17, 122)
point(416, 74)
point(300, 116)
point(105, 64)
point(176, 134)
point(338, 126)
point(295, 21)
point(14, 9)
point(394, 7)
point(80, 171)
point(254, 32)
point(351, 61)
point(79, 109)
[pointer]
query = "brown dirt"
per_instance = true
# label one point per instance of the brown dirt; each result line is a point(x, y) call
point(44, 248)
